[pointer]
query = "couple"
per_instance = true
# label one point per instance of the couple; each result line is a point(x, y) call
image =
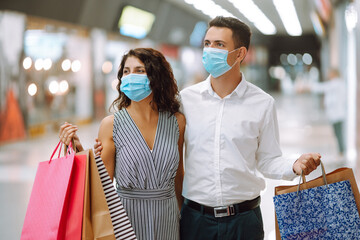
point(231, 131)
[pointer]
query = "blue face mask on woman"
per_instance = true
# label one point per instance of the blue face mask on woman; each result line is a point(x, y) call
point(215, 61)
point(135, 86)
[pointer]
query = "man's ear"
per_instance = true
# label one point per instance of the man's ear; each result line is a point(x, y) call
point(242, 53)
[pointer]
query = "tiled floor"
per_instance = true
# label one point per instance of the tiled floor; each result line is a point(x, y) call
point(303, 128)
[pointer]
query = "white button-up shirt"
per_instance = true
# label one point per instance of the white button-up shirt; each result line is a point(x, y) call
point(228, 141)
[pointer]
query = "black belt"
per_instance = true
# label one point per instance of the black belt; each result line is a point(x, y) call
point(224, 211)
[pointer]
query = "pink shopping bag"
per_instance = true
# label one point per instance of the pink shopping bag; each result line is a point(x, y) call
point(48, 207)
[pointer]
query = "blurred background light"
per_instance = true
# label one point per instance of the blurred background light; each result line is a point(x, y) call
point(107, 67)
point(291, 58)
point(54, 87)
point(39, 64)
point(42, 44)
point(135, 22)
point(63, 86)
point(32, 89)
point(47, 64)
point(66, 65)
point(283, 59)
point(307, 59)
point(27, 63)
point(350, 17)
point(76, 66)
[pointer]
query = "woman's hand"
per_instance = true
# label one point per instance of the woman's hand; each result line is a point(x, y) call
point(68, 133)
point(97, 147)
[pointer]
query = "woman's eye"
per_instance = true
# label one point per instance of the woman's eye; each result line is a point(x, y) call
point(206, 44)
point(220, 45)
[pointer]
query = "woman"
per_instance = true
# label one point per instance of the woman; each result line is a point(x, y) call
point(142, 144)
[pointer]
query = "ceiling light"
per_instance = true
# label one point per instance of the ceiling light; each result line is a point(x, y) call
point(209, 8)
point(253, 13)
point(287, 12)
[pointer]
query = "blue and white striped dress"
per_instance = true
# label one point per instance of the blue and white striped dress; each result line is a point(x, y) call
point(145, 179)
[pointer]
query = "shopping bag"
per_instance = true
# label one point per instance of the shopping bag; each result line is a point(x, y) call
point(75, 198)
point(324, 208)
point(96, 216)
point(120, 221)
point(47, 208)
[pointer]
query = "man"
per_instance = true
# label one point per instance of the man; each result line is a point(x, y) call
point(231, 134)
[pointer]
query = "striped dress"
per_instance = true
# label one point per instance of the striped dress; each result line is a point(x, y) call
point(145, 177)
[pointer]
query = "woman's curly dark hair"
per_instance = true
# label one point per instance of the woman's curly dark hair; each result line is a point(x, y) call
point(162, 81)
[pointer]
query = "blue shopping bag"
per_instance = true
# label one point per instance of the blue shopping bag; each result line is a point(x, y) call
point(324, 212)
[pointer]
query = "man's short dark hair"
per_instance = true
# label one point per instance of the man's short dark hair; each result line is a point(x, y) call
point(241, 32)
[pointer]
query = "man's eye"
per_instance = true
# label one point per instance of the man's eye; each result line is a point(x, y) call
point(220, 45)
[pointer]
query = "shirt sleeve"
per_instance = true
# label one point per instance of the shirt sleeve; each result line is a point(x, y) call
point(181, 109)
point(318, 87)
point(270, 161)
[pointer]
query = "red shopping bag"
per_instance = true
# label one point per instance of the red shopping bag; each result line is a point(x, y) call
point(47, 215)
point(75, 198)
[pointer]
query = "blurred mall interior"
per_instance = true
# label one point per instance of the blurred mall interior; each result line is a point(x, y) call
point(59, 62)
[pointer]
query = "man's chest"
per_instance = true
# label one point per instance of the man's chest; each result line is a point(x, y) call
point(228, 120)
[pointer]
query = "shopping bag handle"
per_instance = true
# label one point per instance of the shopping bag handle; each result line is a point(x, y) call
point(302, 176)
point(60, 144)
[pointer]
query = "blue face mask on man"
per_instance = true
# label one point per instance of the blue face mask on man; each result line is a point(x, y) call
point(135, 86)
point(215, 61)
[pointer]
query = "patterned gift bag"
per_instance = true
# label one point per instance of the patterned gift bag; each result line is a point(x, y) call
point(325, 212)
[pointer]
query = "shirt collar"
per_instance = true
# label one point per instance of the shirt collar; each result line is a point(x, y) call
point(239, 90)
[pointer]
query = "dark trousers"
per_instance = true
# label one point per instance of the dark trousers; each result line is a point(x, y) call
point(195, 225)
point(338, 129)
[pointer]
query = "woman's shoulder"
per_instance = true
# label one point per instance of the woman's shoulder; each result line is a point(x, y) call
point(108, 119)
point(106, 124)
point(180, 119)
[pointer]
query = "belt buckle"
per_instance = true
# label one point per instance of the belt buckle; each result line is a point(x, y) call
point(221, 212)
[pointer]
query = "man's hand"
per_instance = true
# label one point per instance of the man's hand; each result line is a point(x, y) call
point(307, 163)
point(97, 147)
